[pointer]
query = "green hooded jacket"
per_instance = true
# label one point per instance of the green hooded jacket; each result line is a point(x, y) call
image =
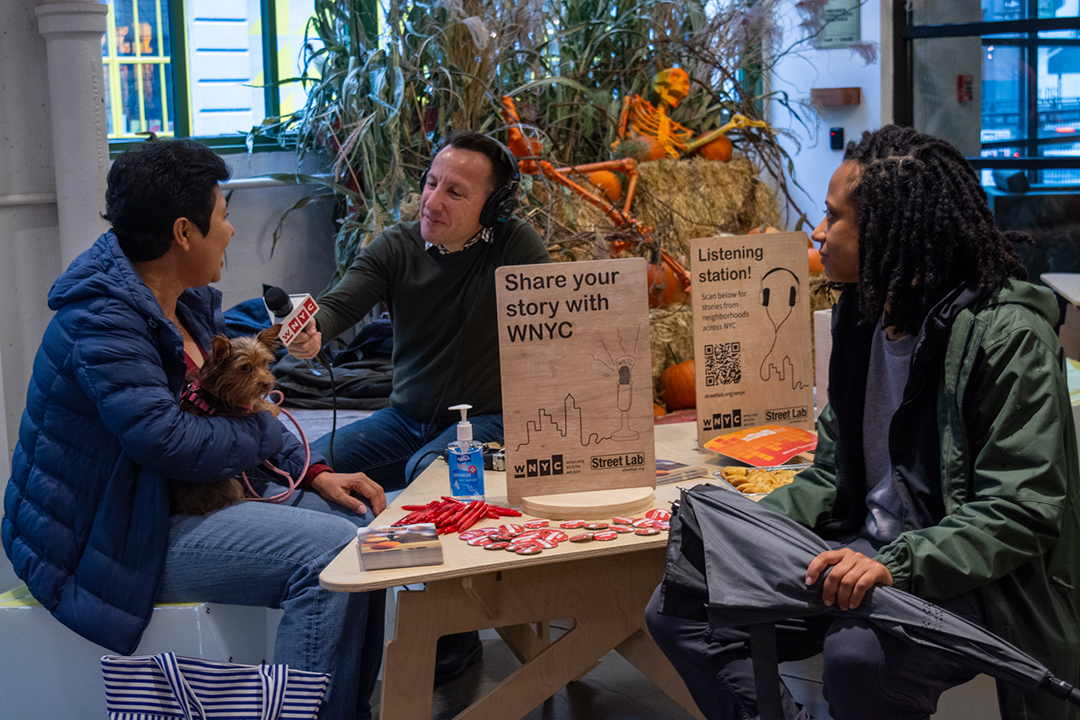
point(1009, 483)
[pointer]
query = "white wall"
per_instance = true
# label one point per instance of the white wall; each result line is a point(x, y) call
point(808, 68)
point(29, 235)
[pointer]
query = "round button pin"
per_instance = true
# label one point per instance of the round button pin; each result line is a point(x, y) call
point(596, 526)
point(658, 514)
point(606, 535)
point(556, 535)
point(572, 524)
point(502, 545)
point(481, 541)
point(646, 531)
point(584, 537)
point(643, 523)
point(529, 550)
point(622, 520)
point(622, 529)
point(537, 524)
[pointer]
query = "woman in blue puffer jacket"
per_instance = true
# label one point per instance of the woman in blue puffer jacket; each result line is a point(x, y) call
point(87, 523)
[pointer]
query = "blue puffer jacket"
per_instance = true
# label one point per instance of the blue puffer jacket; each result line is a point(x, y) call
point(86, 511)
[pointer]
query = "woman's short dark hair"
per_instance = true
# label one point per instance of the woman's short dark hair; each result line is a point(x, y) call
point(502, 166)
point(924, 226)
point(153, 185)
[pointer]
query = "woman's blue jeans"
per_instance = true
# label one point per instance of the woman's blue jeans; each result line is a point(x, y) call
point(271, 555)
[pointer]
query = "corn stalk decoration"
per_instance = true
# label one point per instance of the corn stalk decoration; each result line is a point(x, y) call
point(380, 103)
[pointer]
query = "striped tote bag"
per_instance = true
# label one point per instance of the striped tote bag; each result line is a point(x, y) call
point(167, 687)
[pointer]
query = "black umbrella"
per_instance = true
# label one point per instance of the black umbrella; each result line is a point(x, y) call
point(718, 535)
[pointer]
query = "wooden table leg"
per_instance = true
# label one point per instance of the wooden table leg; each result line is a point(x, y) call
point(605, 596)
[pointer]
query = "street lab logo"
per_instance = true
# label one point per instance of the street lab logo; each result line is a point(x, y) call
point(540, 467)
point(723, 421)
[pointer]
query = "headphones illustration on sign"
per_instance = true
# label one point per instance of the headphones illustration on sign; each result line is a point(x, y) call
point(793, 295)
point(779, 367)
point(502, 201)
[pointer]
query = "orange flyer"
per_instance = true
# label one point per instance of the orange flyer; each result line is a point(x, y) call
point(764, 445)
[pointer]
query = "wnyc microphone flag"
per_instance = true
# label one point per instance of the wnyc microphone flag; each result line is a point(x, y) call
point(293, 312)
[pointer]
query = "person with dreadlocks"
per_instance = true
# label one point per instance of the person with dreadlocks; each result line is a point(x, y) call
point(946, 462)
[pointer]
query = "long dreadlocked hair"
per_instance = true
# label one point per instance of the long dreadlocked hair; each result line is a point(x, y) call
point(924, 226)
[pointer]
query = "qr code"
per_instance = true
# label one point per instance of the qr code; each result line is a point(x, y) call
point(722, 364)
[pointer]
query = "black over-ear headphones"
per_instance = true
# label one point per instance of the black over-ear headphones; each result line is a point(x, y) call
point(502, 201)
point(793, 295)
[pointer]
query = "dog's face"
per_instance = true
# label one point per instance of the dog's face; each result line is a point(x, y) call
point(238, 370)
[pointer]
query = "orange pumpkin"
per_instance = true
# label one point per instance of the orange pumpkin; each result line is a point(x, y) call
point(815, 261)
point(608, 182)
point(719, 149)
point(677, 386)
point(658, 410)
point(665, 290)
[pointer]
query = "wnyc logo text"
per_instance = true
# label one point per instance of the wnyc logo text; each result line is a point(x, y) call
point(540, 467)
point(723, 421)
point(297, 319)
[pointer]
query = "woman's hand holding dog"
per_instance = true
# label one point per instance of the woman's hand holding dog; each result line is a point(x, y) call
point(338, 488)
point(308, 342)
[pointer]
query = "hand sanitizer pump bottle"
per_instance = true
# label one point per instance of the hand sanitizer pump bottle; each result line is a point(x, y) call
point(466, 459)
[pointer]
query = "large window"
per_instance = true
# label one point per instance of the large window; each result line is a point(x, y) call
point(201, 68)
point(1000, 79)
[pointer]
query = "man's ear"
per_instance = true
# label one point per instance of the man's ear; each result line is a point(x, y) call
point(220, 348)
point(269, 336)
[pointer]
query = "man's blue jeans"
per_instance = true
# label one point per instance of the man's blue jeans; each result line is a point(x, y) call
point(271, 555)
point(393, 449)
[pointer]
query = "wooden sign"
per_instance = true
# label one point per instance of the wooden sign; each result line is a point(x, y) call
point(576, 377)
point(751, 306)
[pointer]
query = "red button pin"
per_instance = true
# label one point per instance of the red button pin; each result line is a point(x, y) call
point(596, 526)
point(621, 529)
point(606, 535)
point(529, 550)
point(556, 535)
point(497, 546)
point(481, 541)
point(537, 524)
point(658, 514)
point(621, 520)
point(511, 529)
point(646, 531)
point(643, 523)
point(572, 524)
point(584, 537)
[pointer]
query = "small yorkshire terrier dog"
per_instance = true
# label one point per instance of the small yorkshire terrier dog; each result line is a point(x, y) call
point(233, 382)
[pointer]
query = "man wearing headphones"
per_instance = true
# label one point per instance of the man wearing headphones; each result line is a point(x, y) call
point(437, 276)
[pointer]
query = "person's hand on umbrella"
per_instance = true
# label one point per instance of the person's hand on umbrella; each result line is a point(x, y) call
point(851, 576)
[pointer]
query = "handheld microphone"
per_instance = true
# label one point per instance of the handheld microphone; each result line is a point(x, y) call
point(293, 316)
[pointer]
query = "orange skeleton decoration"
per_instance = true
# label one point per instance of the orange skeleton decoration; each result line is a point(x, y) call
point(527, 150)
point(672, 86)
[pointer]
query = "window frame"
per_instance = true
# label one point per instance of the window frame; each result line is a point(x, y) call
point(180, 102)
point(905, 33)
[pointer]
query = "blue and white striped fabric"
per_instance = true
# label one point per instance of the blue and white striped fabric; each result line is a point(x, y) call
point(167, 687)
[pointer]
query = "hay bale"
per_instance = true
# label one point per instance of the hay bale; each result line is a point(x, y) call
point(671, 336)
point(686, 199)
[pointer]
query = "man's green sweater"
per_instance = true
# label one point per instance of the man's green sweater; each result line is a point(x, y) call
point(442, 308)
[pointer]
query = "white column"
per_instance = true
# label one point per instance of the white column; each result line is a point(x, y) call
point(72, 33)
